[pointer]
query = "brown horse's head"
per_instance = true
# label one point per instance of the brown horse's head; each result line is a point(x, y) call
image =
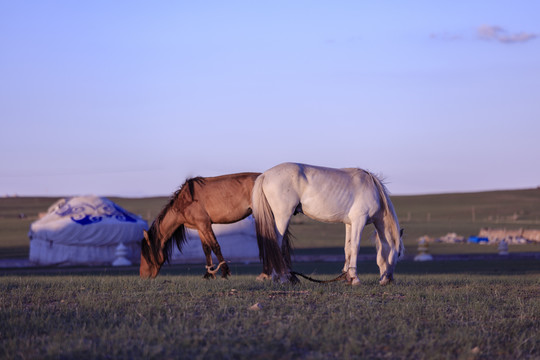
point(156, 250)
point(156, 247)
point(152, 258)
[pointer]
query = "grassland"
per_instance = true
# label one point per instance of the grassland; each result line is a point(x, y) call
point(482, 310)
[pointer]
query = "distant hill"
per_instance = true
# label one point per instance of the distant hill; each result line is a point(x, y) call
point(433, 215)
point(466, 213)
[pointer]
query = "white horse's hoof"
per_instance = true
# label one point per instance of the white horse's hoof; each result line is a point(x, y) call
point(352, 277)
point(284, 279)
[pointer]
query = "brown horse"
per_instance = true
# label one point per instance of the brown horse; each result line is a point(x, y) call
point(198, 204)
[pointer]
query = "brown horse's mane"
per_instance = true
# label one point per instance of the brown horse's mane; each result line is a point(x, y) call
point(177, 202)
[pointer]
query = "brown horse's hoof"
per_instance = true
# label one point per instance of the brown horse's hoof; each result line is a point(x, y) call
point(263, 277)
point(209, 276)
point(225, 271)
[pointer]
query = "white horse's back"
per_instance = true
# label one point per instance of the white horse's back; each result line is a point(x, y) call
point(325, 194)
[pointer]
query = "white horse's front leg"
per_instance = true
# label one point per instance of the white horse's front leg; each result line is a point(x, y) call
point(282, 224)
point(356, 232)
point(347, 247)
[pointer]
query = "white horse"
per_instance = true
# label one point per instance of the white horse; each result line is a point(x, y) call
point(351, 196)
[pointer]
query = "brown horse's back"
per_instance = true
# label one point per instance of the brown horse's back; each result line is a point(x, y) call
point(227, 198)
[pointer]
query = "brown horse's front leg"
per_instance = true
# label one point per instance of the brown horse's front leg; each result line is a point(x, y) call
point(225, 271)
point(209, 240)
point(208, 254)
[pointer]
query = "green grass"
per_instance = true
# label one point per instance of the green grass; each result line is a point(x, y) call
point(449, 310)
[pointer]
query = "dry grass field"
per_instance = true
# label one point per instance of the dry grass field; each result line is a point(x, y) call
point(449, 310)
point(477, 309)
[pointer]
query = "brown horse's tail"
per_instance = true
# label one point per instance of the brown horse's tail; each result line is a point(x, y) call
point(269, 251)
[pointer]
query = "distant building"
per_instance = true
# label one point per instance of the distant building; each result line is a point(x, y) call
point(477, 240)
point(85, 230)
point(515, 236)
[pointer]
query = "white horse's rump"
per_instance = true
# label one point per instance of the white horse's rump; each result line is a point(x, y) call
point(351, 196)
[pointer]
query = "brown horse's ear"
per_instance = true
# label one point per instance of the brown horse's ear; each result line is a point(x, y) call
point(146, 238)
point(401, 232)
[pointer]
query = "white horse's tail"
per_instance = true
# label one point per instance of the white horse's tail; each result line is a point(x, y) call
point(389, 216)
point(265, 225)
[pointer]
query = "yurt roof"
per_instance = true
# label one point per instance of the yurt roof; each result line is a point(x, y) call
point(88, 220)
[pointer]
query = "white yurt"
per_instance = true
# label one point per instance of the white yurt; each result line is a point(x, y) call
point(85, 231)
point(238, 243)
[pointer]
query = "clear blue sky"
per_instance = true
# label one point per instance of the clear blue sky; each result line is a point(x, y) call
point(132, 97)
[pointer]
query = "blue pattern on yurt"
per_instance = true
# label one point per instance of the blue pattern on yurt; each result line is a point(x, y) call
point(86, 214)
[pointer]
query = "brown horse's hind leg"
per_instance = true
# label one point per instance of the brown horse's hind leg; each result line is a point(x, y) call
point(263, 276)
point(266, 272)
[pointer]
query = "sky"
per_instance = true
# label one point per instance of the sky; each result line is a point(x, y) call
point(130, 98)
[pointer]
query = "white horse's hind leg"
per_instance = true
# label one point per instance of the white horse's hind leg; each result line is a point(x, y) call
point(356, 232)
point(347, 247)
point(382, 256)
point(386, 257)
point(283, 206)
